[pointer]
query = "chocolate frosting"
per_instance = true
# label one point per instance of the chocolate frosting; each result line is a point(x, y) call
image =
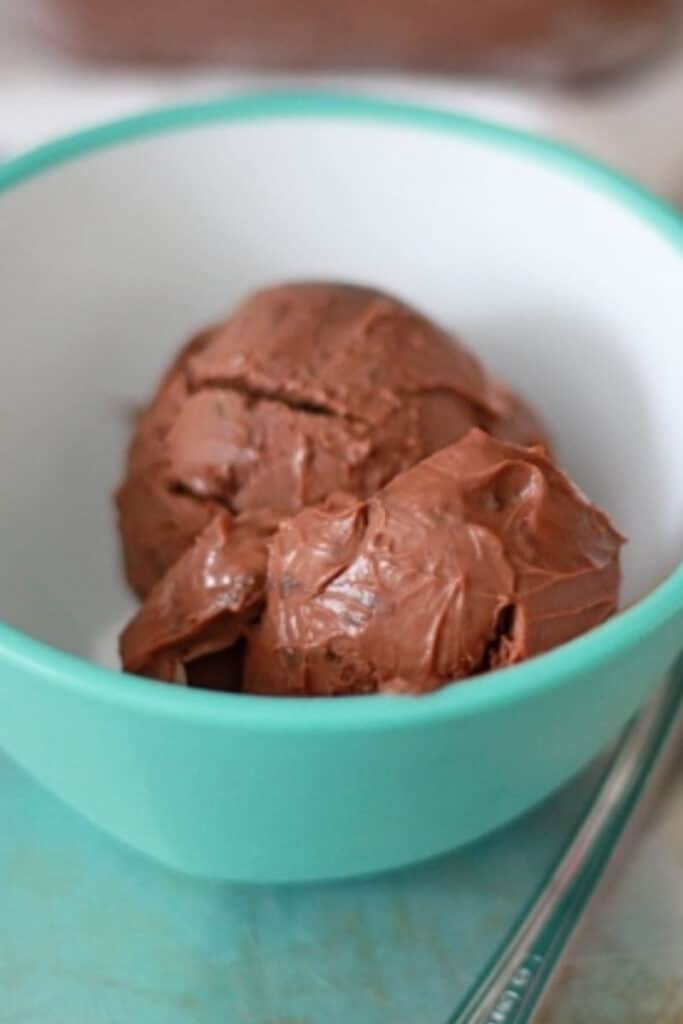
point(201, 607)
point(482, 555)
point(479, 556)
point(306, 390)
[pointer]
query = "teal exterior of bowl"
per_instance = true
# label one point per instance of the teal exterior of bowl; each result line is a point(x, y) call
point(227, 787)
point(267, 790)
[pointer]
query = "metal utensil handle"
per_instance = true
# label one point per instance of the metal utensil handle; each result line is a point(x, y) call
point(512, 986)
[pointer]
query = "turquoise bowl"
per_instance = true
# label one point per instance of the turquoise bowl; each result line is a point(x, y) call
point(114, 245)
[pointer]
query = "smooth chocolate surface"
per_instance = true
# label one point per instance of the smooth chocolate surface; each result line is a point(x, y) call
point(201, 608)
point(482, 555)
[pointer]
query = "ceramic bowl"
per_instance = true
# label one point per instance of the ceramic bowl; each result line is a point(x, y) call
point(117, 243)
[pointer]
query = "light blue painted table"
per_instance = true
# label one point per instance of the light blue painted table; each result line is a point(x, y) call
point(91, 933)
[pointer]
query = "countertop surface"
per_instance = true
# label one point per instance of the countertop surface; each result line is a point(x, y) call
point(92, 931)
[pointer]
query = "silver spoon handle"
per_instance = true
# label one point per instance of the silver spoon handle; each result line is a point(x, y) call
point(511, 988)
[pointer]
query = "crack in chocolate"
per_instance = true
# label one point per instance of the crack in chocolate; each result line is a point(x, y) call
point(503, 631)
point(253, 395)
point(182, 489)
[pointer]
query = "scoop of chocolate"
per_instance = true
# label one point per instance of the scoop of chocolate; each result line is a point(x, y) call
point(306, 390)
point(482, 555)
point(195, 615)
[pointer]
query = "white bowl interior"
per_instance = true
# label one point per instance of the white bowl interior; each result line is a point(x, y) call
point(110, 261)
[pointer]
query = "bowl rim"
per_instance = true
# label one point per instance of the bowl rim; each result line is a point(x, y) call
point(499, 688)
